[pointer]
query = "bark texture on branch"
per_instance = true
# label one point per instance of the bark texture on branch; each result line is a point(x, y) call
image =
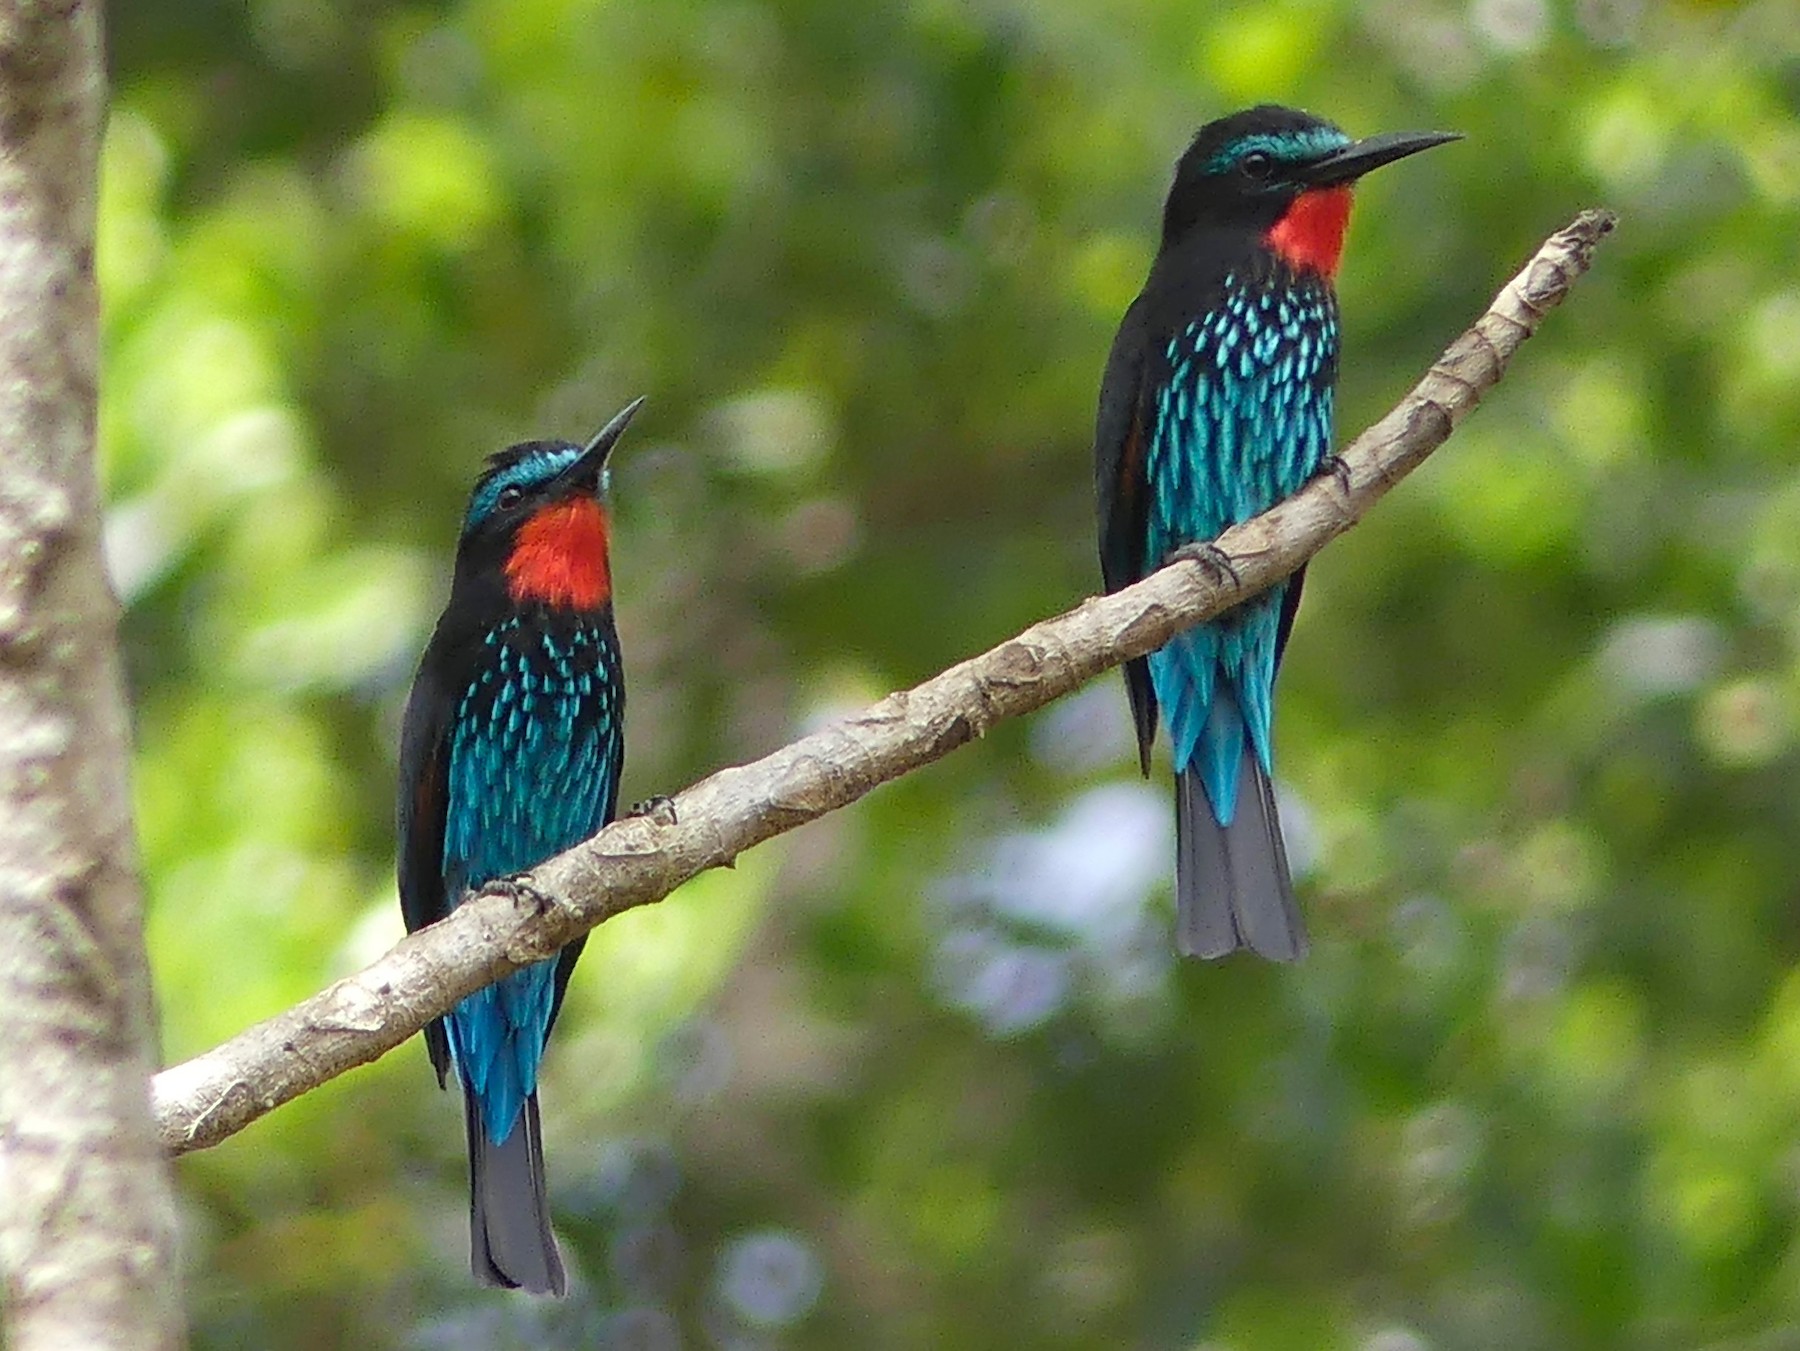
point(86, 1211)
point(639, 861)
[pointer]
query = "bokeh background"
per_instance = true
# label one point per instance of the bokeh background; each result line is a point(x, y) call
point(925, 1074)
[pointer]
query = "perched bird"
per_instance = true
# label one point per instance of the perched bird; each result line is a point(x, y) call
point(510, 753)
point(1216, 404)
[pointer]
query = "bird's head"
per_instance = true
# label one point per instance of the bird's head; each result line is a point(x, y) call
point(538, 516)
point(1284, 176)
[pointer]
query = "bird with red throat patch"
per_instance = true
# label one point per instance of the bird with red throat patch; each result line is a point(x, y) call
point(1216, 405)
point(510, 752)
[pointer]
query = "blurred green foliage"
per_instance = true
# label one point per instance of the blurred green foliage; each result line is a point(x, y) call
point(924, 1074)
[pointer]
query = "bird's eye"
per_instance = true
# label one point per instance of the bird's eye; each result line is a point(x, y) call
point(509, 498)
point(1257, 164)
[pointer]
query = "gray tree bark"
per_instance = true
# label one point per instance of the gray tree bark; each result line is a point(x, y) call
point(86, 1210)
point(641, 860)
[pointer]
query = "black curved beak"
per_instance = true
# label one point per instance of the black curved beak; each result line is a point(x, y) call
point(585, 472)
point(1357, 158)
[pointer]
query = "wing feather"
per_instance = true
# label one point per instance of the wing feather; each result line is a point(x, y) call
point(423, 802)
point(1122, 494)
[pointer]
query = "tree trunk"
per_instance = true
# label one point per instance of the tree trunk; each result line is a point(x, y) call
point(86, 1212)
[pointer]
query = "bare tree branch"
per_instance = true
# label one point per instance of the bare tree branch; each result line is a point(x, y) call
point(87, 1220)
point(639, 861)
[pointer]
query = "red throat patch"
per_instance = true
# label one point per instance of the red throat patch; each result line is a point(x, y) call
point(1310, 237)
point(559, 557)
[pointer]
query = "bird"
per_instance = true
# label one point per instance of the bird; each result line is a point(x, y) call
point(510, 752)
point(1216, 403)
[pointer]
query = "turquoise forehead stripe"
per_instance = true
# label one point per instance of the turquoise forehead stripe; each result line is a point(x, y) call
point(537, 468)
point(1282, 145)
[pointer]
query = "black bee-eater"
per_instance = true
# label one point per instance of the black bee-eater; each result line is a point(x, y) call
point(1216, 404)
point(510, 753)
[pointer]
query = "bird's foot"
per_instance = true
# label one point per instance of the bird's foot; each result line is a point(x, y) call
point(658, 808)
point(1209, 556)
point(1339, 468)
point(520, 892)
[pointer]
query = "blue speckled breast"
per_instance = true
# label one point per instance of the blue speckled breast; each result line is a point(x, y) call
point(1243, 413)
point(1242, 419)
point(534, 758)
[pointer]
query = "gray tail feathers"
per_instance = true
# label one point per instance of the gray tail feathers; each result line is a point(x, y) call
point(510, 1243)
point(1232, 888)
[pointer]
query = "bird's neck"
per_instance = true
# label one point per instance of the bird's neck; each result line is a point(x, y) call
point(559, 557)
point(1309, 237)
